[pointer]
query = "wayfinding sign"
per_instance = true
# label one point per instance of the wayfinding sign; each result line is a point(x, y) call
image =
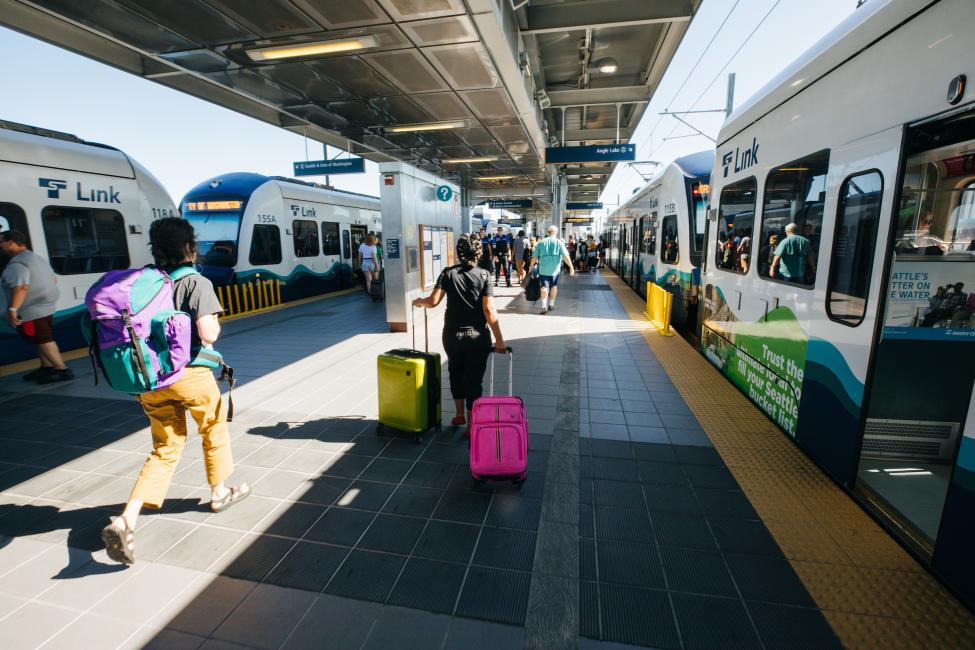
point(336, 166)
point(584, 205)
point(578, 220)
point(444, 193)
point(504, 204)
point(590, 153)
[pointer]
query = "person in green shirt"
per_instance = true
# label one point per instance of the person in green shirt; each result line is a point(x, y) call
point(548, 254)
point(791, 256)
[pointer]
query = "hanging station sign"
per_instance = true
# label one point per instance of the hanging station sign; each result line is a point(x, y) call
point(579, 220)
point(507, 204)
point(584, 205)
point(337, 166)
point(590, 153)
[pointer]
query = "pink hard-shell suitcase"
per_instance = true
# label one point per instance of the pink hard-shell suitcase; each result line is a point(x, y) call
point(499, 434)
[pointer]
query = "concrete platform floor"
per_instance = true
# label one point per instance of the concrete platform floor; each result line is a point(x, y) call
point(631, 530)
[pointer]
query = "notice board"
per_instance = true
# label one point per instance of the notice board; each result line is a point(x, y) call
point(438, 253)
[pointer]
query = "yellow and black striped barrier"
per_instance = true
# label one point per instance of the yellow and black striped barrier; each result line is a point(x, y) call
point(249, 297)
point(660, 303)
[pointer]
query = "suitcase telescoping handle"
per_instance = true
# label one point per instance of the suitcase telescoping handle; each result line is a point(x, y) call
point(511, 372)
point(426, 328)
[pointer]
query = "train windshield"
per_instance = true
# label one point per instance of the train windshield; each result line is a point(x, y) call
point(698, 214)
point(216, 234)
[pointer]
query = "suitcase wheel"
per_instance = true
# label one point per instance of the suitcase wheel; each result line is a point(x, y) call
point(380, 427)
point(417, 438)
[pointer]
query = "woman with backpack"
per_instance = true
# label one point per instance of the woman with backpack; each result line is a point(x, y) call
point(173, 245)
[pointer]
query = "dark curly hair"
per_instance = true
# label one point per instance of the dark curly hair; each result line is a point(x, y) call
point(172, 241)
point(468, 250)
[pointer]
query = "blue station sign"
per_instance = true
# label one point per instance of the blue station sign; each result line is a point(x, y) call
point(590, 153)
point(505, 204)
point(584, 205)
point(336, 166)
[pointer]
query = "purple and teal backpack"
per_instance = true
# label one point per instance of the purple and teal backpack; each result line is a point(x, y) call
point(135, 334)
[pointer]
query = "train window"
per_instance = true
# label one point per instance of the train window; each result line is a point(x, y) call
point(736, 222)
point(265, 245)
point(12, 217)
point(330, 238)
point(650, 235)
point(669, 251)
point(305, 237)
point(854, 245)
point(794, 194)
point(346, 244)
point(698, 217)
point(84, 240)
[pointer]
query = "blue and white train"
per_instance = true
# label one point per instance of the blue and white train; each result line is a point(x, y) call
point(86, 207)
point(279, 228)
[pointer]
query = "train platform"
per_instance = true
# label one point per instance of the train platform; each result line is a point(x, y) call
point(661, 510)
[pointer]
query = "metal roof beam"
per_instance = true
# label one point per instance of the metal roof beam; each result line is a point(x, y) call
point(585, 171)
point(593, 96)
point(604, 13)
point(574, 135)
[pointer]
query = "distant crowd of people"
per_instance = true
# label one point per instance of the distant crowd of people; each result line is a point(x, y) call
point(587, 253)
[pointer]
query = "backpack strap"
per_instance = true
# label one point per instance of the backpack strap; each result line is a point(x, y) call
point(183, 272)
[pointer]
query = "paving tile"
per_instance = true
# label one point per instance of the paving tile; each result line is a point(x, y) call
point(470, 634)
point(505, 549)
point(365, 495)
point(588, 610)
point(467, 507)
point(291, 519)
point(267, 456)
point(686, 530)
point(403, 449)
point(611, 449)
point(437, 453)
point(615, 469)
point(279, 483)
point(254, 556)
point(413, 500)
point(672, 421)
point(308, 566)
point(495, 595)
point(429, 585)
point(768, 579)
point(609, 432)
point(366, 575)
point(587, 560)
point(658, 452)
point(432, 475)
point(407, 629)
point(201, 548)
point(35, 574)
point(341, 526)
point(91, 631)
point(587, 524)
point(637, 616)
point(265, 617)
point(150, 638)
point(344, 623)
point(648, 434)
point(744, 536)
point(629, 563)
point(448, 541)
point(323, 490)
point(695, 455)
point(780, 626)
point(514, 511)
point(393, 534)
point(16, 551)
point(689, 437)
point(346, 466)
point(659, 473)
point(707, 623)
point(147, 591)
point(367, 445)
point(200, 609)
point(623, 524)
point(309, 460)
point(705, 476)
point(622, 495)
point(671, 498)
point(697, 571)
point(726, 503)
point(33, 624)
point(247, 514)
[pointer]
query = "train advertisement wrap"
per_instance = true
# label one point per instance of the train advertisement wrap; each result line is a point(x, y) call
point(927, 301)
point(766, 360)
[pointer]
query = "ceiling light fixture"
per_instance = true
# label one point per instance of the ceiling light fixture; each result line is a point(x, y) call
point(607, 65)
point(496, 178)
point(474, 159)
point(312, 49)
point(428, 126)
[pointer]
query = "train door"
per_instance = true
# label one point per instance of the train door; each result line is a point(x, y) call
point(358, 234)
point(636, 279)
point(917, 456)
point(12, 217)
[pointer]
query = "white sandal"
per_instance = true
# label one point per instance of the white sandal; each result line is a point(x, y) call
point(119, 541)
point(234, 494)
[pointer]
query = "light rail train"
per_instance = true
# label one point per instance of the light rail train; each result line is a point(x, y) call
point(658, 234)
point(856, 336)
point(85, 207)
point(279, 228)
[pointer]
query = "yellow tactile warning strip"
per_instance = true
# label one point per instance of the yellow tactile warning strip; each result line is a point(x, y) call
point(870, 590)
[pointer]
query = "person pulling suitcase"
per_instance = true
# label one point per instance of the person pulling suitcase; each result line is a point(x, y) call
point(469, 317)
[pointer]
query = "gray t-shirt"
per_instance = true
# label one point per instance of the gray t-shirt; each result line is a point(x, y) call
point(194, 294)
point(520, 244)
point(32, 270)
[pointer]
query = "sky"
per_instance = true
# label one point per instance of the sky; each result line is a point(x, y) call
point(183, 140)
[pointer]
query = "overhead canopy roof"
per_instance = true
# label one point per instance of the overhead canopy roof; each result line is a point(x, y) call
point(510, 75)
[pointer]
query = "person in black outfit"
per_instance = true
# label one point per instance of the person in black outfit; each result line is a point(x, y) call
point(502, 250)
point(486, 260)
point(470, 313)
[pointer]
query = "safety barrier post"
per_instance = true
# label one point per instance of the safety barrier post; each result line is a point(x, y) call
point(237, 305)
point(660, 305)
point(277, 291)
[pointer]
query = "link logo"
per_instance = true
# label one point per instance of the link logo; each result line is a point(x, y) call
point(297, 210)
point(52, 186)
point(741, 159)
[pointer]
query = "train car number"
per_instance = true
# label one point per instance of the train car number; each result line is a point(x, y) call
point(266, 218)
point(160, 213)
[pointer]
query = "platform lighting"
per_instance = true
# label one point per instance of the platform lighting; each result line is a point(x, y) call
point(607, 65)
point(312, 49)
point(475, 159)
point(428, 126)
point(496, 178)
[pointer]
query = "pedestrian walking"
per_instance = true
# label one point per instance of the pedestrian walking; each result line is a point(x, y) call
point(31, 290)
point(173, 245)
point(519, 248)
point(502, 255)
point(549, 254)
point(369, 261)
point(469, 317)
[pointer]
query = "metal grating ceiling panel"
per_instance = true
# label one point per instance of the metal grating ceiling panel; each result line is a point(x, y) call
point(443, 106)
point(194, 20)
point(489, 103)
point(465, 67)
point(441, 31)
point(343, 14)
point(404, 10)
point(355, 76)
point(408, 70)
point(268, 18)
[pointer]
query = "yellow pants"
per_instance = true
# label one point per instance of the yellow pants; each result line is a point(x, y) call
point(196, 392)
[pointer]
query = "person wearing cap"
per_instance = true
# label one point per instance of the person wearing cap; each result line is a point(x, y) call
point(792, 255)
point(549, 254)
